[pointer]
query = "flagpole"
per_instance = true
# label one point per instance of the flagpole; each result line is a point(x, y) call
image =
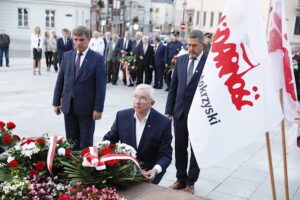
point(286, 181)
point(271, 166)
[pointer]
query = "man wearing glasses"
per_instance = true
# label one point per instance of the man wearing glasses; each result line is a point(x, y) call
point(184, 83)
point(146, 130)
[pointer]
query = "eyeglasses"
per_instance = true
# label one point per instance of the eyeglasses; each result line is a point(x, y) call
point(137, 99)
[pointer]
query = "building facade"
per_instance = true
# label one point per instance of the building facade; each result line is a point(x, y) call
point(20, 17)
point(161, 15)
point(205, 15)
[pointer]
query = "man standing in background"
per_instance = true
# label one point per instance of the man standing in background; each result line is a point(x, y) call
point(64, 44)
point(4, 47)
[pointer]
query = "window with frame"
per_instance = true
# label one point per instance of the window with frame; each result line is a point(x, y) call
point(50, 19)
point(198, 15)
point(23, 17)
point(211, 18)
point(220, 15)
point(297, 26)
point(204, 18)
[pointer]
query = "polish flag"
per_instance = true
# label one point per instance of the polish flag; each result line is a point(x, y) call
point(236, 101)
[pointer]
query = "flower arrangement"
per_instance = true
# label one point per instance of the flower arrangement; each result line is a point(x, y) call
point(89, 193)
point(129, 62)
point(28, 172)
point(105, 165)
point(7, 138)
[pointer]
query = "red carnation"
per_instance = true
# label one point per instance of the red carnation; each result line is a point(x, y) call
point(112, 145)
point(40, 165)
point(106, 150)
point(112, 162)
point(2, 124)
point(33, 172)
point(68, 152)
point(6, 139)
point(40, 141)
point(13, 164)
point(10, 125)
point(17, 137)
point(2, 129)
point(64, 197)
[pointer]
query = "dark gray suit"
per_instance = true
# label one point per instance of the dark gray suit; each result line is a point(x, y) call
point(112, 59)
point(81, 95)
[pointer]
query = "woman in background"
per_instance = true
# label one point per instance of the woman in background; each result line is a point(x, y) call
point(48, 50)
point(37, 45)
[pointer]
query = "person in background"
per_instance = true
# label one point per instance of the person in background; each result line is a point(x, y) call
point(64, 44)
point(135, 44)
point(124, 48)
point(37, 46)
point(80, 90)
point(207, 42)
point(112, 60)
point(4, 47)
point(186, 76)
point(147, 131)
point(159, 67)
point(97, 44)
point(53, 44)
point(48, 50)
point(172, 49)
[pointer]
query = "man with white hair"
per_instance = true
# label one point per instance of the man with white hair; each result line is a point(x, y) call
point(97, 44)
point(146, 130)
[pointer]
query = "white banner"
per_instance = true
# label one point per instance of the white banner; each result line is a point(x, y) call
point(236, 101)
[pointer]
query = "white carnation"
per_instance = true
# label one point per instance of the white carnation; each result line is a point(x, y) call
point(9, 159)
point(61, 151)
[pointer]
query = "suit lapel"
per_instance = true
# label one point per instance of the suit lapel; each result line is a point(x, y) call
point(184, 69)
point(199, 68)
point(147, 128)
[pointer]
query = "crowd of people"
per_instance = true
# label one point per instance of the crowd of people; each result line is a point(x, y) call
point(94, 62)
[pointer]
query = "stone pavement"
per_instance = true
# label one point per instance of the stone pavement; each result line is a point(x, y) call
point(26, 100)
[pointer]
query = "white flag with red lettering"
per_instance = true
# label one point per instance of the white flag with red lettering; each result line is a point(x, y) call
point(236, 101)
point(281, 59)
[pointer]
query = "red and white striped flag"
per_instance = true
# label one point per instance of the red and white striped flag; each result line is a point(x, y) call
point(236, 101)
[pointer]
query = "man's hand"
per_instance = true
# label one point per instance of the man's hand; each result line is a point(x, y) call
point(141, 57)
point(150, 175)
point(151, 66)
point(169, 116)
point(166, 65)
point(97, 115)
point(57, 109)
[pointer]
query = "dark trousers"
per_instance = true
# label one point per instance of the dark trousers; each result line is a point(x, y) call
point(124, 76)
point(48, 56)
point(181, 154)
point(79, 129)
point(168, 78)
point(54, 61)
point(116, 73)
point(158, 76)
point(140, 75)
point(6, 52)
point(148, 75)
point(132, 78)
point(110, 70)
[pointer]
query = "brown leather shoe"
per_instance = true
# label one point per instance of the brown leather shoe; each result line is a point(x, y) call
point(177, 186)
point(189, 189)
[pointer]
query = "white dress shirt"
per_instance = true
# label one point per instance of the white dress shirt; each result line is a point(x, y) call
point(195, 62)
point(97, 45)
point(139, 129)
point(82, 56)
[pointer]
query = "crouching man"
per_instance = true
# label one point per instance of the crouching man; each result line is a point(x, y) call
point(146, 130)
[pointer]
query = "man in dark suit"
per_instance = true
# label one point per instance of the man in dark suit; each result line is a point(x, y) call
point(159, 67)
point(112, 60)
point(145, 61)
point(124, 47)
point(184, 83)
point(146, 130)
point(135, 44)
point(64, 44)
point(80, 90)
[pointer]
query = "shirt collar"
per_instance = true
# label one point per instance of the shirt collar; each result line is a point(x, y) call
point(84, 52)
point(145, 119)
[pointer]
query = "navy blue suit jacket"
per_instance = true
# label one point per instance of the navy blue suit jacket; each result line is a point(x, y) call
point(62, 48)
point(155, 144)
point(180, 95)
point(87, 90)
point(120, 46)
point(159, 55)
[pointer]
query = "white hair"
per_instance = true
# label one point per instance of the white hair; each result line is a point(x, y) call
point(148, 88)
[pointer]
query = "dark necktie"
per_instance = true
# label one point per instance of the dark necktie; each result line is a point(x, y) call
point(77, 64)
point(190, 71)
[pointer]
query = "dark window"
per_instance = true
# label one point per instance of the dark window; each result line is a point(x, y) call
point(50, 19)
point(204, 18)
point(297, 26)
point(22, 17)
point(211, 18)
